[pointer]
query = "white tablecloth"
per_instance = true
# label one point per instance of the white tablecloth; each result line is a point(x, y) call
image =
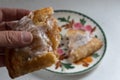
point(105, 12)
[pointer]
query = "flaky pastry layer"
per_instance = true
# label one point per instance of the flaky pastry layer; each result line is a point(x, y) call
point(41, 52)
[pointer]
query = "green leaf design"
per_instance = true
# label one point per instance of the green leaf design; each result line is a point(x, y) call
point(96, 36)
point(68, 65)
point(63, 19)
point(68, 18)
point(95, 55)
point(83, 21)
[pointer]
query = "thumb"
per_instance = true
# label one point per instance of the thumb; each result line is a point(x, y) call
point(15, 38)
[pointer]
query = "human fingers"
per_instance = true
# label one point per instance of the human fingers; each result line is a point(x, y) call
point(7, 25)
point(2, 61)
point(9, 14)
point(2, 26)
point(2, 51)
point(15, 38)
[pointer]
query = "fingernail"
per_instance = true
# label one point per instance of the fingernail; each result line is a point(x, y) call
point(26, 37)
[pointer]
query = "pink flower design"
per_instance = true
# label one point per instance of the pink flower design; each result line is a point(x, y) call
point(88, 28)
point(60, 51)
point(77, 26)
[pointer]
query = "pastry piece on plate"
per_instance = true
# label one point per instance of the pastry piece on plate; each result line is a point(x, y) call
point(41, 52)
point(81, 44)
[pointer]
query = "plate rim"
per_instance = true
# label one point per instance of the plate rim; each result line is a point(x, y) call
point(105, 41)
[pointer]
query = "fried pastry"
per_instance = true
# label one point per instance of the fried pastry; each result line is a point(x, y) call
point(81, 44)
point(41, 52)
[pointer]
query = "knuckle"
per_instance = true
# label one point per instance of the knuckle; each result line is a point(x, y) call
point(12, 38)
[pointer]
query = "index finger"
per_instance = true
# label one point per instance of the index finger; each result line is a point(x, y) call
point(10, 14)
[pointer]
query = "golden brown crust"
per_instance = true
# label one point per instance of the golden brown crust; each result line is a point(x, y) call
point(72, 32)
point(19, 65)
point(83, 51)
point(41, 17)
point(20, 62)
point(89, 47)
point(42, 14)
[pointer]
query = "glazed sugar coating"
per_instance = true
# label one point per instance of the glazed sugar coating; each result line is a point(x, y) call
point(41, 52)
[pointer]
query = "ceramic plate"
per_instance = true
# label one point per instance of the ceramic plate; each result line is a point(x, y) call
point(78, 21)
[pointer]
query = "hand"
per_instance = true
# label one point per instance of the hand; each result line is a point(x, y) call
point(9, 38)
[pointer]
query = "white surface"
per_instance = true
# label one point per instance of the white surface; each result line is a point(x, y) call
point(104, 12)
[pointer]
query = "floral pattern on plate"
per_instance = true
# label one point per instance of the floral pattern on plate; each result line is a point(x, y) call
point(77, 21)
